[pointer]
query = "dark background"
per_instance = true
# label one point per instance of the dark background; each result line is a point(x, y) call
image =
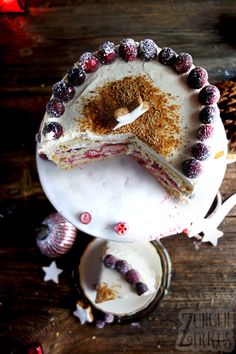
point(36, 50)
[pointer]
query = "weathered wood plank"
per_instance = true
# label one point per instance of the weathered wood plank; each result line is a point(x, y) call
point(36, 49)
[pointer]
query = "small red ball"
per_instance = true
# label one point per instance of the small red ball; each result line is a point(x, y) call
point(121, 228)
point(85, 218)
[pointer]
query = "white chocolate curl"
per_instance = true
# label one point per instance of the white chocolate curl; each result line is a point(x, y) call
point(130, 117)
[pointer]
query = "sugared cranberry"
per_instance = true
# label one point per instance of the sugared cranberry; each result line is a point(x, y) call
point(53, 130)
point(89, 62)
point(205, 132)
point(122, 266)
point(76, 76)
point(147, 50)
point(200, 151)
point(141, 288)
point(167, 56)
point(43, 156)
point(63, 90)
point(197, 78)
point(191, 168)
point(100, 324)
point(128, 50)
point(132, 276)
point(209, 114)
point(183, 63)
point(109, 261)
point(107, 53)
point(210, 94)
point(55, 108)
point(121, 228)
point(109, 317)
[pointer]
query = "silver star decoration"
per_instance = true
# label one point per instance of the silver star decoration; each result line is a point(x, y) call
point(84, 314)
point(52, 272)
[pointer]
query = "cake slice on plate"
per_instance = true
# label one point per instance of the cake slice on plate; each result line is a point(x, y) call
point(124, 272)
point(140, 100)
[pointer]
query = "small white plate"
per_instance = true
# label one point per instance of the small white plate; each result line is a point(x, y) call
point(119, 190)
point(157, 259)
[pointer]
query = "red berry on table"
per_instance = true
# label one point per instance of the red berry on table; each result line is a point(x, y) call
point(147, 50)
point(107, 53)
point(191, 168)
point(205, 132)
point(183, 63)
point(89, 62)
point(141, 288)
point(53, 130)
point(197, 78)
point(167, 56)
point(63, 90)
point(128, 50)
point(132, 276)
point(210, 94)
point(200, 151)
point(55, 108)
point(85, 217)
point(76, 76)
point(121, 228)
point(209, 114)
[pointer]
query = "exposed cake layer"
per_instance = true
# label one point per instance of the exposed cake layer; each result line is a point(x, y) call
point(169, 177)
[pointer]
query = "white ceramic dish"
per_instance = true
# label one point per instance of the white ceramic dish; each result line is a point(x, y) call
point(120, 189)
point(157, 259)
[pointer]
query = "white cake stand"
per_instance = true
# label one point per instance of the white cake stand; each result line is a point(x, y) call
point(120, 190)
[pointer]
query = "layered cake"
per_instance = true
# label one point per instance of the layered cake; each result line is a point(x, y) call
point(124, 271)
point(140, 100)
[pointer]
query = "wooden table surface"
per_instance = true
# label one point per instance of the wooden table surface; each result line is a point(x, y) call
point(36, 49)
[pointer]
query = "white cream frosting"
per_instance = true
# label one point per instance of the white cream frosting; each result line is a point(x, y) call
point(163, 77)
point(116, 281)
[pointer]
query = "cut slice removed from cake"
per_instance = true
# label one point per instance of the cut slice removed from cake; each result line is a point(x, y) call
point(123, 272)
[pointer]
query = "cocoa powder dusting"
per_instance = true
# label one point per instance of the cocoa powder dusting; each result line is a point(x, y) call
point(158, 127)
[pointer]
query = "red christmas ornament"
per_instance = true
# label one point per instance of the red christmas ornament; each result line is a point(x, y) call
point(55, 236)
point(37, 349)
point(12, 6)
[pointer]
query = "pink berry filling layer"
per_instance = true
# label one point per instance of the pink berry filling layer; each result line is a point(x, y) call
point(98, 153)
point(157, 171)
point(84, 155)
